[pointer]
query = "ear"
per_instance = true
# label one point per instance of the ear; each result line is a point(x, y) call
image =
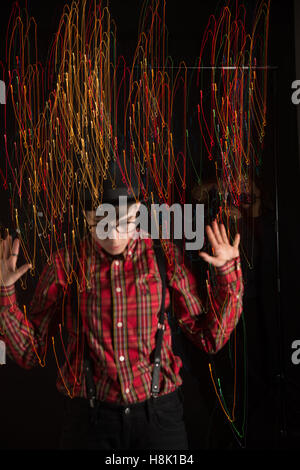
point(86, 214)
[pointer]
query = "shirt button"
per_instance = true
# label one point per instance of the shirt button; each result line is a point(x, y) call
point(127, 411)
point(122, 358)
point(118, 289)
point(127, 390)
point(130, 253)
point(119, 324)
point(117, 263)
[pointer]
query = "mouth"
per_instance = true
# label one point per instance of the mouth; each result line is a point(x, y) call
point(113, 247)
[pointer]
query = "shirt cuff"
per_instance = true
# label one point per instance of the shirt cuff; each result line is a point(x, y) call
point(7, 295)
point(230, 270)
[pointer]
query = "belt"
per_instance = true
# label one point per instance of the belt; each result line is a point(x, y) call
point(140, 404)
point(121, 406)
point(80, 403)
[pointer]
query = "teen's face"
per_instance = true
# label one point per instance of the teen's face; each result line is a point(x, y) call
point(114, 244)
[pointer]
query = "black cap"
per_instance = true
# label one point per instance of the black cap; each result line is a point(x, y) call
point(120, 181)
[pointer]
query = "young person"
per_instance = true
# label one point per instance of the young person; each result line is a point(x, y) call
point(119, 304)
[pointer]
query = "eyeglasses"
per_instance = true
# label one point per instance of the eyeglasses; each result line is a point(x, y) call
point(126, 225)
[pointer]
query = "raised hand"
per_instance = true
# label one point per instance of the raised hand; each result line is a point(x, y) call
point(222, 250)
point(9, 252)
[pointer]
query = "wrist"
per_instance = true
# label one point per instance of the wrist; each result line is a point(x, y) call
point(7, 287)
point(7, 295)
point(226, 263)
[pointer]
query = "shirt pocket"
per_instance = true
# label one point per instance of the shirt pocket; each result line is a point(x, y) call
point(149, 283)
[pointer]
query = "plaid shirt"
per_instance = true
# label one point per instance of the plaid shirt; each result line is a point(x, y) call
point(119, 302)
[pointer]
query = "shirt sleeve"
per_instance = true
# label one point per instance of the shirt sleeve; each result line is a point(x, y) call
point(209, 327)
point(25, 332)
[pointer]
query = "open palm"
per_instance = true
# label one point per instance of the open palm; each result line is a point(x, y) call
point(9, 273)
point(223, 251)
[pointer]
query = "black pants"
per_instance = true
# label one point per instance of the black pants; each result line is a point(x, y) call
point(153, 424)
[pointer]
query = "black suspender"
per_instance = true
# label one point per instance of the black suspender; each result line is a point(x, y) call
point(87, 364)
point(160, 258)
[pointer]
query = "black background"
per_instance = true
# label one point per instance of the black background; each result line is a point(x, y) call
point(30, 406)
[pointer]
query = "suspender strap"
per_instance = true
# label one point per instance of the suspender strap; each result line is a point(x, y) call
point(87, 363)
point(90, 384)
point(160, 258)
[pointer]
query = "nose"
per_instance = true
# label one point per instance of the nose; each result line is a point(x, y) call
point(113, 233)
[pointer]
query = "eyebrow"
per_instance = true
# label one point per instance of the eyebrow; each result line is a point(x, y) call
point(129, 216)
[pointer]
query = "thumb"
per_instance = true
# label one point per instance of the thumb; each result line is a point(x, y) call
point(206, 257)
point(22, 270)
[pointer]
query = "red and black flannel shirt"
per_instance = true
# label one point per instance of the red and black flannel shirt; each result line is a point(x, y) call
point(119, 302)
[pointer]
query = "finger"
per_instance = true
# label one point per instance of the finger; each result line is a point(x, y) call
point(211, 237)
point(206, 257)
point(22, 270)
point(14, 253)
point(15, 246)
point(236, 241)
point(9, 251)
point(217, 233)
point(224, 234)
point(6, 247)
